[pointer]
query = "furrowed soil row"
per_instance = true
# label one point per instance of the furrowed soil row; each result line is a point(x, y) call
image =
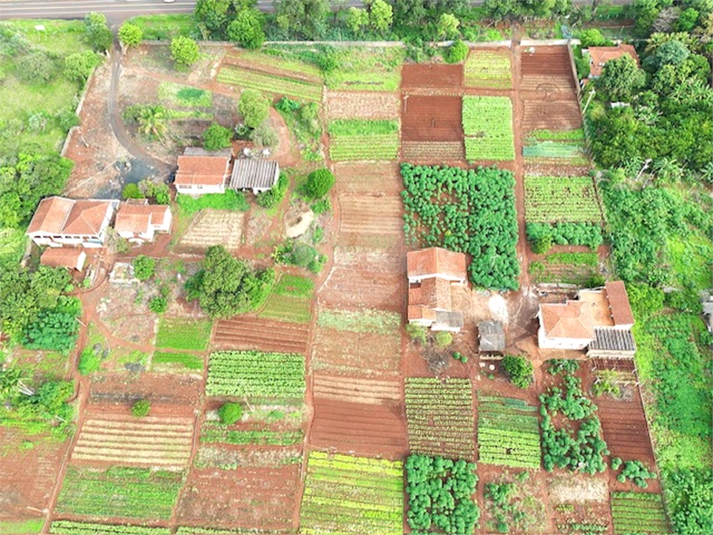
point(212, 227)
point(371, 215)
point(262, 334)
point(356, 390)
point(368, 178)
point(431, 118)
point(364, 105)
point(356, 354)
point(431, 75)
point(435, 152)
point(552, 115)
point(624, 427)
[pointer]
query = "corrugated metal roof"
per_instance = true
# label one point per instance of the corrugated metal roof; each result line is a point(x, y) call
point(254, 174)
point(491, 335)
point(612, 340)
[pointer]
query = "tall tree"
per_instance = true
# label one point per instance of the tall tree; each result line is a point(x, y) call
point(620, 78)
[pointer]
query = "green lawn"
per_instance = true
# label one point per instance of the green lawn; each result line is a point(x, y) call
point(183, 333)
point(164, 27)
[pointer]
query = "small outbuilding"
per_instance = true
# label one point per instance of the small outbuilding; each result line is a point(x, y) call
point(491, 336)
point(600, 55)
point(67, 257)
point(200, 172)
point(255, 175)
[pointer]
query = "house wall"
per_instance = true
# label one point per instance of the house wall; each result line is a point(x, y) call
point(560, 343)
point(195, 190)
point(421, 322)
point(416, 280)
point(59, 241)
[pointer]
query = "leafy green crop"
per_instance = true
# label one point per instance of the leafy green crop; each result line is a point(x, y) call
point(487, 125)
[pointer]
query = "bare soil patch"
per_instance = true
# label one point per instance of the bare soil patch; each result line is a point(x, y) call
point(175, 395)
point(359, 428)
point(432, 118)
point(368, 178)
point(365, 105)
point(551, 115)
point(365, 218)
point(546, 71)
point(117, 309)
point(369, 391)
point(431, 75)
point(250, 332)
point(213, 227)
point(248, 498)
point(344, 353)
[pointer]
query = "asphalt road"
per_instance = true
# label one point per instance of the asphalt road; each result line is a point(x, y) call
point(118, 10)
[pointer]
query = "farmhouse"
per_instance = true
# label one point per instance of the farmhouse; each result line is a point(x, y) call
point(599, 320)
point(599, 55)
point(200, 172)
point(431, 274)
point(138, 221)
point(255, 175)
point(59, 221)
point(67, 257)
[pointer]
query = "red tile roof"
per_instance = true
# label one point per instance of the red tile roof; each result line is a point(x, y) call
point(601, 54)
point(204, 170)
point(433, 293)
point(619, 303)
point(67, 257)
point(57, 215)
point(572, 319)
point(436, 261)
point(137, 218)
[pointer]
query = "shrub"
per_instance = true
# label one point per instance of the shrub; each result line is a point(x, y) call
point(144, 267)
point(184, 51)
point(52, 330)
point(97, 31)
point(254, 107)
point(444, 338)
point(319, 182)
point(230, 413)
point(593, 37)
point(457, 52)
point(89, 361)
point(460, 357)
point(275, 194)
point(316, 264)
point(131, 191)
point(37, 68)
point(158, 304)
point(247, 28)
point(519, 369)
point(78, 66)
point(615, 463)
point(264, 135)
point(217, 137)
point(141, 408)
point(417, 333)
point(321, 206)
point(130, 34)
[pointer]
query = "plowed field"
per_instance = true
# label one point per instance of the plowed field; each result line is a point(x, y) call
point(369, 178)
point(431, 118)
point(213, 227)
point(247, 498)
point(369, 391)
point(367, 105)
point(356, 354)
point(243, 332)
point(124, 439)
point(547, 71)
point(369, 220)
point(361, 428)
point(552, 115)
point(431, 75)
point(432, 152)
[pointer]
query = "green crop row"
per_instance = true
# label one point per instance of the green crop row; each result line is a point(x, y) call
point(278, 85)
point(67, 527)
point(487, 125)
point(183, 333)
point(166, 359)
point(639, 513)
point(508, 433)
point(363, 321)
point(362, 127)
point(253, 373)
point(294, 285)
point(570, 153)
point(555, 135)
point(119, 492)
point(487, 69)
point(290, 308)
point(213, 434)
point(352, 495)
point(557, 199)
point(364, 148)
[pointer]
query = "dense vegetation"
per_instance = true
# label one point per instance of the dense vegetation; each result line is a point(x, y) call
point(440, 495)
point(471, 211)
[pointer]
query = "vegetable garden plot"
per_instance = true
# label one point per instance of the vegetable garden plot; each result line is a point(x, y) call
point(249, 435)
point(290, 300)
point(624, 428)
point(487, 125)
point(362, 321)
point(439, 416)
point(367, 69)
point(365, 105)
point(508, 433)
point(431, 118)
point(561, 199)
point(256, 374)
point(166, 361)
point(68, 527)
point(435, 152)
point(270, 61)
point(367, 178)
point(557, 152)
point(270, 83)
point(256, 500)
point(551, 115)
point(487, 69)
point(471, 211)
point(370, 221)
point(356, 354)
point(183, 333)
point(355, 139)
point(352, 496)
point(638, 512)
point(213, 227)
point(246, 332)
point(119, 492)
point(148, 441)
point(547, 72)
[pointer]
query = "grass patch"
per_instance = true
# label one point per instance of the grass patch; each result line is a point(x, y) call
point(270, 83)
point(183, 333)
point(33, 525)
point(294, 285)
point(284, 59)
point(163, 360)
point(357, 139)
point(119, 492)
point(164, 27)
point(551, 199)
point(184, 96)
point(367, 69)
point(365, 321)
point(290, 300)
point(230, 200)
point(487, 125)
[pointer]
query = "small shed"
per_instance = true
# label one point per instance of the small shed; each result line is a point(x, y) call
point(491, 336)
point(67, 257)
point(255, 175)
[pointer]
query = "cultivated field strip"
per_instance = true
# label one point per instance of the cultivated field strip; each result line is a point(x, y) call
point(148, 441)
point(368, 178)
point(432, 152)
point(214, 227)
point(439, 416)
point(488, 69)
point(508, 432)
point(364, 105)
point(344, 353)
point(548, 72)
point(257, 333)
point(274, 65)
point(432, 118)
point(624, 428)
point(365, 219)
point(551, 115)
point(67, 527)
point(369, 391)
point(352, 496)
point(270, 83)
point(638, 512)
point(432, 75)
point(561, 199)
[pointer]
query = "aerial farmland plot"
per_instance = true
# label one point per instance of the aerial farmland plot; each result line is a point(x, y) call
point(488, 69)
point(487, 125)
point(561, 199)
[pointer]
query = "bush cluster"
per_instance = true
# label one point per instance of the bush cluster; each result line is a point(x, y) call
point(519, 370)
point(542, 236)
point(275, 194)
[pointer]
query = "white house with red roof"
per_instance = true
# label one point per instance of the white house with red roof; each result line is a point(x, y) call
point(139, 222)
point(200, 172)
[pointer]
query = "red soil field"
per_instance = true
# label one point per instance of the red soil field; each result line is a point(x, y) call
point(431, 118)
point(370, 220)
point(362, 354)
point(359, 428)
point(170, 394)
point(552, 115)
point(547, 71)
point(368, 178)
point(431, 75)
point(248, 498)
point(243, 332)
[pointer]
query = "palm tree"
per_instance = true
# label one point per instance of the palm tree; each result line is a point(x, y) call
point(668, 169)
point(152, 121)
